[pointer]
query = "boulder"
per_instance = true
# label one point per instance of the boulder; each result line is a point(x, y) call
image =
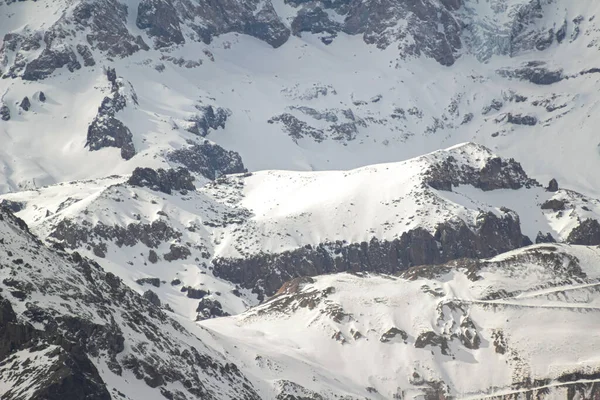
point(25, 104)
point(152, 297)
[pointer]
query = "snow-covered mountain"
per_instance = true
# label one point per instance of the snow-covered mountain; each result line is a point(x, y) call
point(299, 199)
point(256, 78)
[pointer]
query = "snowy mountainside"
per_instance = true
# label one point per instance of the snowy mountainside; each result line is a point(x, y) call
point(521, 323)
point(374, 94)
point(251, 232)
point(70, 330)
point(299, 199)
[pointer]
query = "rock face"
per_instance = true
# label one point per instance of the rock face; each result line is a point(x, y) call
point(497, 173)
point(161, 180)
point(534, 72)
point(587, 233)
point(105, 24)
point(25, 104)
point(208, 159)
point(4, 112)
point(437, 29)
point(552, 186)
point(209, 308)
point(166, 20)
point(208, 118)
point(95, 316)
point(519, 119)
point(106, 130)
point(266, 273)
point(63, 370)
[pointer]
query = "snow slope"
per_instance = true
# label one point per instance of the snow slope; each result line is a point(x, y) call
point(516, 322)
point(247, 215)
point(394, 109)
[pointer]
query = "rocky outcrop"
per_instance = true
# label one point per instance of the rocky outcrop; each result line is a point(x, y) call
point(208, 118)
point(104, 23)
point(518, 119)
point(497, 173)
point(547, 238)
point(166, 20)
point(427, 28)
point(534, 72)
point(265, 273)
point(4, 112)
point(95, 317)
point(161, 22)
point(48, 62)
point(151, 235)
point(152, 298)
point(161, 180)
point(25, 104)
point(209, 308)
point(208, 159)
point(554, 205)
point(106, 130)
point(150, 281)
point(552, 186)
point(586, 233)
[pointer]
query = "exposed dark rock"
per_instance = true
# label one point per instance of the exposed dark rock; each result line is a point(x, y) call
point(431, 338)
point(209, 160)
point(209, 308)
point(554, 205)
point(152, 235)
point(392, 333)
point(519, 119)
point(152, 256)
point(496, 174)
point(534, 72)
point(42, 97)
point(14, 206)
point(208, 118)
point(152, 297)
point(433, 30)
point(552, 186)
point(298, 129)
point(110, 132)
point(25, 104)
point(106, 22)
point(106, 130)
point(175, 282)
point(4, 112)
point(196, 293)
point(587, 233)
point(71, 375)
point(177, 252)
point(161, 22)
point(265, 273)
point(151, 281)
point(547, 238)
point(165, 181)
point(314, 21)
point(469, 337)
point(86, 54)
point(123, 331)
point(495, 105)
point(48, 62)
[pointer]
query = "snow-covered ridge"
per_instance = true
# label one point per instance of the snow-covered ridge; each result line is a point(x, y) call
point(254, 231)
